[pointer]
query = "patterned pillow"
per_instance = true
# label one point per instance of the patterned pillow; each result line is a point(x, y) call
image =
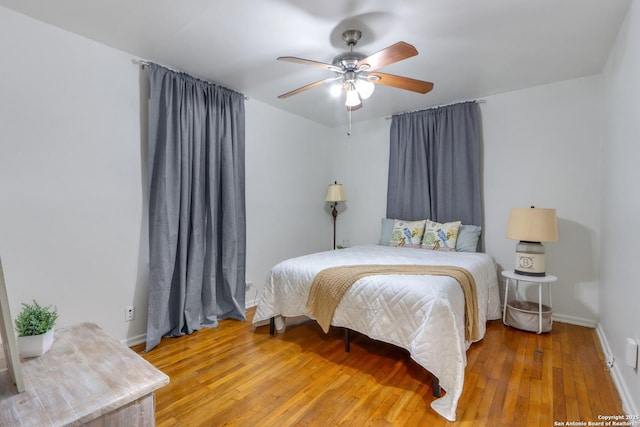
point(407, 233)
point(440, 237)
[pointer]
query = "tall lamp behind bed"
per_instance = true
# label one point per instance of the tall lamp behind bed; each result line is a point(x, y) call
point(335, 194)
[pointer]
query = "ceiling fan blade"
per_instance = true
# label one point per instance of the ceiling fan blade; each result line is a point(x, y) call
point(309, 86)
point(311, 63)
point(355, 107)
point(394, 53)
point(399, 82)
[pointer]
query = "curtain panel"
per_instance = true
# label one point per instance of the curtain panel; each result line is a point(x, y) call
point(197, 222)
point(434, 165)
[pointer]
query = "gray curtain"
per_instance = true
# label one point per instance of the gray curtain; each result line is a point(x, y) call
point(434, 165)
point(197, 231)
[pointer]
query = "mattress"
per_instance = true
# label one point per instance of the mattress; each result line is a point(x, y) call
point(422, 314)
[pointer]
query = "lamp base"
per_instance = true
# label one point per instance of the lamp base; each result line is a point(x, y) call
point(334, 214)
point(528, 273)
point(530, 259)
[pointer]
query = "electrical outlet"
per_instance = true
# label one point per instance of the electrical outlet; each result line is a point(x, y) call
point(610, 361)
point(129, 313)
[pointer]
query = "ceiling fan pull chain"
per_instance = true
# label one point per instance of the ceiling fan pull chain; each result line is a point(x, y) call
point(349, 131)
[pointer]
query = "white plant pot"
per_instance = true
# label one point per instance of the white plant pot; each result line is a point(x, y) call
point(35, 345)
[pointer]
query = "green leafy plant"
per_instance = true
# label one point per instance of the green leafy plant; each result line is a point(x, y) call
point(35, 320)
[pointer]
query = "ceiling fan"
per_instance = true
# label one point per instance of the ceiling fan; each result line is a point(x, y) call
point(356, 72)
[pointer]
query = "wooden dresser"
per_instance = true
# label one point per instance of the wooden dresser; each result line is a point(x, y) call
point(87, 378)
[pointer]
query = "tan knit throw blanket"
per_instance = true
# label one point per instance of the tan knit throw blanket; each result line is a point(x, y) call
point(330, 285)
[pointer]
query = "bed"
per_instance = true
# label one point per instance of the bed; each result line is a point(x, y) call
point(423, 314)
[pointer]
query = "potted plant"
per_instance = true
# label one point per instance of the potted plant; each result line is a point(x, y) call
point(35, 329)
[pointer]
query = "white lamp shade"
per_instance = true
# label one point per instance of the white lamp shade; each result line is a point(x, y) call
point(336, 90)
point(335, 193)
point(533, 225)
point(365, 88)
point(352, 97)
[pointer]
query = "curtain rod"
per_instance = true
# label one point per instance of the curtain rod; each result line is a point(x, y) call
point(144, 63)
point(479, 101)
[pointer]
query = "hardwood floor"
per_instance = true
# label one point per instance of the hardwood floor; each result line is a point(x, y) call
point(238, 375)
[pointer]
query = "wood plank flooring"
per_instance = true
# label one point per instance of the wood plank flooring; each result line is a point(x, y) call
point(238, 375)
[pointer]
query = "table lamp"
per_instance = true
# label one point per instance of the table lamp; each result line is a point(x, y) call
point(532, 226)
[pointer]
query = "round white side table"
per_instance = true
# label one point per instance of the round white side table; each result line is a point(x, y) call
point(512, 276)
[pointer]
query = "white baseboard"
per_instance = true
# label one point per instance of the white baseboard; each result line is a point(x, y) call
point(251, 303)
point(572, 320)
point(628, 405)
point(138, 339)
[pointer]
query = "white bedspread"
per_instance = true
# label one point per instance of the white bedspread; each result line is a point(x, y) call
point(423, 314)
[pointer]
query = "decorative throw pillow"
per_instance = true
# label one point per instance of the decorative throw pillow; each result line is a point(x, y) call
point(468, 236)
point(407, 233)
point(440, 237)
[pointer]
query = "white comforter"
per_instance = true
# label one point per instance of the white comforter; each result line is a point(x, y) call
point(423, 314)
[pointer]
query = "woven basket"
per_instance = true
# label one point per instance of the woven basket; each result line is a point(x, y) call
point(524, 315)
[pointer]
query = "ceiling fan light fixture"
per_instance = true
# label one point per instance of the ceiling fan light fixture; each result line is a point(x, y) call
point(336, 89)
point(365, 88)
point(353, 98)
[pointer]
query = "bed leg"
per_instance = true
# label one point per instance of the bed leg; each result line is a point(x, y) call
point(435, 384)
point(347, 343)
point(272, 326)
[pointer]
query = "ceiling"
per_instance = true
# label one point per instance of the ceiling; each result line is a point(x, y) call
point(468, 48)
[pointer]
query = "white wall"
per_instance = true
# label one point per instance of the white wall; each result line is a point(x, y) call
point(287, 173)
point(542, 148)
point(620, 290)
point(70, 175)
point(361, 163)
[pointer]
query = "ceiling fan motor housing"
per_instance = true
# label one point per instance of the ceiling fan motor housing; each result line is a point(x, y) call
point(351, 37)
point(348, 60)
